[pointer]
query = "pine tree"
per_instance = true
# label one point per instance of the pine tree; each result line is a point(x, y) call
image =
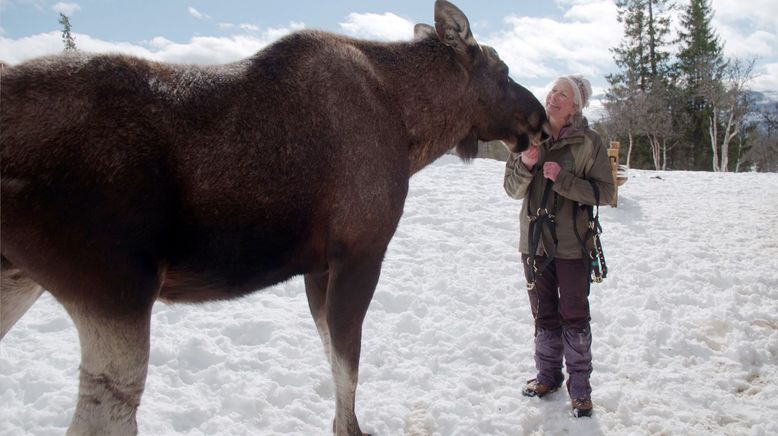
point(643, 52)
point(729, 108)
point(643, 59)
point(700, 67)
point(67, 37)
point(700, 60)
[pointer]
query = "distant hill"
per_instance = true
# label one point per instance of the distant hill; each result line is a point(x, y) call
point(764, 100)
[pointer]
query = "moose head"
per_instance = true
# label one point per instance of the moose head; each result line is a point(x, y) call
point(503, 109)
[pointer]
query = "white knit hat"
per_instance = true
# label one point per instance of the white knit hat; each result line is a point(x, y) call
point(582, 89)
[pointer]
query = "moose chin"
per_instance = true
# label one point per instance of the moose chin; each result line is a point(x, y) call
point(126, 181)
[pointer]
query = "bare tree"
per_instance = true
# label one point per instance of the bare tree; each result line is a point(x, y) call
point(620, 122)
point(770, 118)
point(745, 139)
point(763, 155)
point(729, 105)
point(657, 122)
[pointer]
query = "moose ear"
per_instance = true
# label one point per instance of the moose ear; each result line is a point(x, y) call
point(423, 31)
point(452, 28)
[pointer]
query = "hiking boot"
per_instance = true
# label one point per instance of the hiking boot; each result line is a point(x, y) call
point(582, 407)
point(535, 388)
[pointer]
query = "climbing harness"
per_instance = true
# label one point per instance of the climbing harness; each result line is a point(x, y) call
point(543, 217)
point(595, 258)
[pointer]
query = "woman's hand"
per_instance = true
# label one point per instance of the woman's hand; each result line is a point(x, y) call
point(529, 157)
point(551, 170)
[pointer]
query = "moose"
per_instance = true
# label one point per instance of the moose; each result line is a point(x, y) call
point(126, 181)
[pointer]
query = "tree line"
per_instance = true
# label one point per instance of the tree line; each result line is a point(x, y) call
point(677, 103)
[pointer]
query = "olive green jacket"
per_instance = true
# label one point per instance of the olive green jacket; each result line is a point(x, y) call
point(583, 157)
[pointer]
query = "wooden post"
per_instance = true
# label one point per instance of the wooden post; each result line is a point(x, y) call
point(613, 155)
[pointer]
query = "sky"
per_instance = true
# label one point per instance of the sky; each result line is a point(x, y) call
point(685, 328)
point(539, 40)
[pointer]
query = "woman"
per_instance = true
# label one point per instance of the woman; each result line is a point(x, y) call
point(557, 180)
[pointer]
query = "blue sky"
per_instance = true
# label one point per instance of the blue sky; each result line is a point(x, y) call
point(124, 20)
point(539, 40)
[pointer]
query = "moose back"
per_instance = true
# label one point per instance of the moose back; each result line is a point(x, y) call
point(126, 181)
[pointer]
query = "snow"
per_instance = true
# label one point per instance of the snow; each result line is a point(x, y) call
point(685, 328)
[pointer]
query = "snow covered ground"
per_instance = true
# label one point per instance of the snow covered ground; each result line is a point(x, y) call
point(685, 328)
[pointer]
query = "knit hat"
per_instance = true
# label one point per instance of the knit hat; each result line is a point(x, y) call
point(582, 89)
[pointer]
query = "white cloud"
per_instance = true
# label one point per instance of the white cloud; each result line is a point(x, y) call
point(14, 51)
point(766, 78)
point(249, 27)
point(197, 14)
point(275, 33)
point(209, 50)
point(271, 33)
point(754, 14)
point(747, 30)
point(737, 44)
point(66, 8)
point(542, 47)
point(198, 50)
point(532, 47)
point(387, 26)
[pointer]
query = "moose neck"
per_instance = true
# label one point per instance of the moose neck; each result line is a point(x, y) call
point(434, 105)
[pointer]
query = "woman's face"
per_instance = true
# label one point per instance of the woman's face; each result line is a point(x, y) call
point(560, 102)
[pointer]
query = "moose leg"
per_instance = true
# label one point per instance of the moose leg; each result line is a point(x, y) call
point(349, 292)
point(114, 363)
point(316, 290)
point(17, 294)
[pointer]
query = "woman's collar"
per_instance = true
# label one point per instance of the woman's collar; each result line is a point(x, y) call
point(562, 131)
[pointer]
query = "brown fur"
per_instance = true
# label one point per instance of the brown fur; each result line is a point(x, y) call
point(125, 181)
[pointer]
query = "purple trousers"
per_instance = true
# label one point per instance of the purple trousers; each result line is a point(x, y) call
point(560, 307)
